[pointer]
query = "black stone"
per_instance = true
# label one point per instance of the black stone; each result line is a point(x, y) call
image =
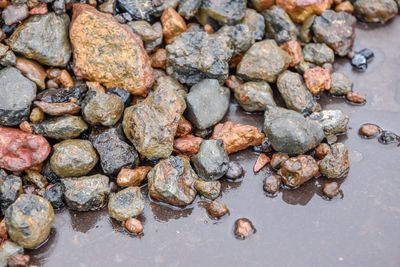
point(359, 62)
point(55, 195)
point(61, 95)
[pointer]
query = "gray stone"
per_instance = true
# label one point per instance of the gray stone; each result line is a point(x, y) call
point(224, 11)
point(151, 46)
point(7, 250)
point(61, 128)
point(126, 204)
point(341, 84)
point(240, 35)
point(14, 13)
point(235, 170)
point(144, 30)
point(255, 22)
point(10, 189)
point(279, 26)
point(189, 8)
point(254, 96)
point(140, 9)
point(208, 189)
point(333, 122)
point(318, 54)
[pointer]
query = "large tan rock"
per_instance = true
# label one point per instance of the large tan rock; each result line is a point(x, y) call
point(108, 52)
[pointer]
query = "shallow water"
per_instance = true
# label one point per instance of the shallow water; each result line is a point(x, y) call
point(296, 228)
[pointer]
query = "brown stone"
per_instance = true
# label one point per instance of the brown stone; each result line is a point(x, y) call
point(3, 231)
point(235, 60)
point(261, 162)
point(233, 82)
point(61, 77)
point(108, 52)
point(317, 80)
point(184, 127)
point(18, 260)
point(20, 150)
point(322, 150)
point(298, 170)
point(173, 24)
point(4, 3)
point(369, 130)
point(26, 127)
point(243, 228)
point(37, 115)
point(345, 6)
point(356, 98)
point(300, 10)
point(132, 177)
point(217, 209)
point(262, 5)
point(277, 160)
point(134, 226)
point(41, 9)
point(208, 29)
point(58, 109)
point(95, 86)
point(293, 48)
point(51, 84)
point(188, 144)
point(32, 70)
point(331, 189)
point(159, 59)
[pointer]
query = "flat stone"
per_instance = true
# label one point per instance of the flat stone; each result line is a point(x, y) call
point(254, 96)
point(61, 128)
point(126, 204)
point(279, 26)
point(333, 122)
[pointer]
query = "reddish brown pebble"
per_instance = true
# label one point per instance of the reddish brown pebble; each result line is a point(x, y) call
point(317, 80)
point(41, 9)
point(18, 260)
point(188, 145)
point(356, 98)
point(3, 231)
point(4, 3)
point(345, 6)
point(243, 228)
point(184, 127)
point(32, 70)
point(277, 159)
point(159, 59)
point(331, 189)
point(235, 60)
point(293, 48)
point(208, 29)
point(51, 84)
point(322, 150)
point(262, 5)
point(60, 77)
point(217, 209)
point(173, 24)
point(132, 177)
point(272, 183)
point(26, 127)
point(369, 130)
point(58, 109)
point(134, 226)
point(262, 160)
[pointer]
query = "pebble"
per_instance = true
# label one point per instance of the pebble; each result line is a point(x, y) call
point(279, 26)
point(369, 131)
point(299, 10)
point(356, 98)
point(144, 30)
point(293, 48)
point(132, 177)
point(35, 178)
point(123, 94)
point(225, 12)
point(173, 24)
point(359, 62)
point(336, 163)
point(235, 170)
point(322, 150)
point(244, 228)
point(140, 10)
point(318, 54)
point(126, 204)
point(375, 10)
point(261, 162)
point(58, 109)
point(256, 23)
point(151, 46)
point(298, 170)
point(208, 189)
point(60, 95)
point(32, 70)
point(14, 13)
point(345, 6)
point(217, 209)
point(341, 84)
point(240, 36)
point(159, 59)
point(10, 189)
point(278, 159)
point(189, 8)
point(272, 183)
point(55, 195)
point(61, 128)
point(317, 79)
point(333, 122)
point(331, 189)
point(134, 226)
point(254, 96)
point(188, 144)
point(18, 260)
point(184, 127)
point(37, 115)
point(7, 250)
point(61, 77)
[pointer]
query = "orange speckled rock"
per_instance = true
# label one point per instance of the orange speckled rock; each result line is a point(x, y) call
point(108, 52)
point(293, 48)
point(300, 10)
point(173, 24)
point(317, 80)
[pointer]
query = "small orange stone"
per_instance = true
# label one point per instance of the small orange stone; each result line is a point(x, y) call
point(132, 177)
point(188, 145)
point(300, 10)
point(317, 80)
point(345, 6)
point(208, 29)
point(26, 127)
point(173, 24)
point(293, 48)
point(41, 9)
point(261, 162)
point(184, 127)
point(159, 59)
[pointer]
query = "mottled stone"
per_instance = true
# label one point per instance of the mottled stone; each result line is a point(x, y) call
point(262, 5)
point(61, 128)
point(235, 170)
point(293, 48)
point(317, 79)
point(322, 150)
point(134, 226)
point(61, 95)
point(58, 109)
point(240, 35)
point(10, 189)
point(277, 159)
point(336, 163)
point(279, 26)
point(300, 10)
point(272, 183)
point(244, 228)
point(375, 10)
point(7, 250)
point(254, 96)
point(333, 122)
point(55, 195)
point(144, 30)
point(14, 13)
point(217, 209)
point(208, 189)
point(224, 11)
point(184, 127)
point(188, 145)
point(255, 22)
point(173, 24)
point(35, 178)
point(189, 8)
point(318, 54)
point(298, 170)
point(140, 9)
point(341, 84)
point(132, 177)
point(126, 204)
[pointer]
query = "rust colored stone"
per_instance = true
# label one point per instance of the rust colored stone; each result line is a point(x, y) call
point(237, 136)
point(60, 76)
point(20, 150)
point(369, 130)
point(233, 82)
point(134, 226)
point(235, 60)
point(293, 48)
point(58, 109)
point(262, 5)
point(32, 70)
point(159, 59)
point(188, 145)
point(4, 3)
point(322, 150)
point(317, 80)
point(26, 127)
point(345, 6)
point(41, 9)
point(132, 177)
point(261, 162)
point(184, 127)
point(173, 24)
point(208, 29)
point(51, 84)
point(3, 231)
point(300, 10)
point(108, 52)
point(18, 260)
point(356, 98)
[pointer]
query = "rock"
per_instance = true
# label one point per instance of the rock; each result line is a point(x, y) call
point(10, 189)
point(217, 209)
point(225, 11)
point(60, 77)
point(134, 226)
point(7, 250)
point(18, 260)
point(293, 48)
point(73, 158)
point(263, 61)
point(289, 132)
point(244, 228)
point(318, 54)
point(208, 189)
point(279, 25)
point(375, 10)
point(333, 122)
point(189, 8)
point(262, 5)
point(272, 184)
point(254, 96)
point(188, 145)
point(151, 46)
point(237, 136)
point(336, 30)
point(144, 30)
point(331, 189)
point(369, 130)
point(61, 128)
point(235, 170)
point(300, 10)
point(151, 124)
point(58, 109)
point(345, 6)
point(356, 98)
point(140, 10)
point(32, 70)
point(37, 115)
point(341, 84)
point(184, 127)
point(240, 35)
point(265, 147)
point(306, 29)
point(298, 170)
point(173, 24)
point(86, 193)
point(171, 181)
point(195, 56)
point(294, 92)
point(207, 103)
point(277, 159)
point(132, 177)
point(20, 150)
point(322, 150)
point(35, 178)
point(359, 62)
point(317, 80)
point(108, 6)
point(51, 32)
point(159, 59)
point(124, 95)
point(17, 93)
point(261, 162)
point(55, 195)
point(255, 22)
point(336, 163)
point(29, 220)
point(14, 13)
point(126, 204)
point(61, 95)
point(9, 60)
point(211, 163)
point(121, 63)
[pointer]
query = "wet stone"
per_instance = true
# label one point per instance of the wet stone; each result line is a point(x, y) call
point(123, 94)
point(261, 162)
point(369, 131)
point(333, 122)
point(356, 98)
point(336, 163)
point(264, 147)
point(244, 228)
point(126, 204)
point(86, 193)
point(240, 35)
point(272, 184)
point(140, 9)
point(189, 8)
point(293, 48)
point(208, 189)
point(188, 144)
point(134, 226)
point(51, 32)
point(171, 181)
point(225, 11)
point(265, 60)
point(375, 10)
point(318, 54)
point(235, 170)
point(254, 96)
point(317, 79)
point(14, 13)
point(359, 62)
point(341, 84)
point(132, 177)
point(55, 194)
point(322, 150)
point(331, 189)
point(278, 159)
point(17, 93)
point(7, 250)
point(10, 189)
point(388, 137)
point(29, 220)
point(32, 70)
point(35, 178)
point(61, 128)
point(72, 158)
point(211, 163)
point(61, 95)
point(207, 102)
point(298, 170)
point(279, 26)
point(255, 22)
point(217, 209)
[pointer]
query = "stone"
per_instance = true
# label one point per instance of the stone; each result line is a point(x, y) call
point(272, 184)
point(240, 35)
point(61, 77)
point(124, 95)
point(126, 204)
point(322, 150)
point(55, 194)
point(37, 115)
point(73, 158)
point(151, 124)
point(194, 56)
point(263, 61)
point(262, 5)
point(293, 48)
point(224, 11)
point(17, 94)
point(189, 8)
point(306, 29)
point(144, 30)
point(295, 93)
point(10, 189)
point(341, 84)
point(207, 103)
point(184, 127)
point(317, 79)
point(298, 170)
point(254, 96)
point(159, 59)
point(279, 26)
point(289, 132)
point(61, 95)
point(356, 98)
point(261, 162)
point(331, 189)
point(235, 170)
point(345, 6)
point(7, 250)
point(255, 22)
point(217, 209)
point(61, 128)
point(208, 189)
point(236, 136)
point(369, 130)
point(14, 13)
point(300, 10)
point(335, 30)
point(188, 144)
point(20, 151)
point(244, 228)
point(86, 193)
point(336, 163)
point(375, 10)
point(171, 181)
point(29, 220)
point(151, 46)
point(211, 162)
point(277, 159)
point(43, 38)
point(120, 63)
point(173, 24)
point(32, 70)
point(333, 122)
point(9, 59)
point(35, 178)
point(58, 109)
point(134, 226)
point(132, 177)
point(318, 54)
point(140, 9)
point(18, 260)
